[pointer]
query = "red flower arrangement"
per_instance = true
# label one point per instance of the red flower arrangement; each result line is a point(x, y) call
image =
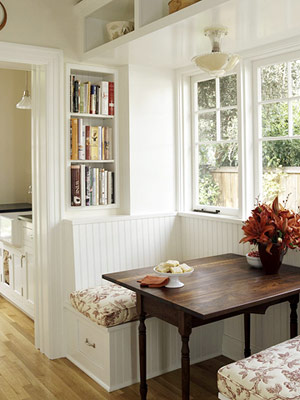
point(273, 225)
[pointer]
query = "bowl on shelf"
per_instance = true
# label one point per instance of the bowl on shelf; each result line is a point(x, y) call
point(116, 29)
point(174, 279)
point(253, 259)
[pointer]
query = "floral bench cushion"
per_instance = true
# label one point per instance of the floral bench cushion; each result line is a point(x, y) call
point(272, 374)
point(107, 305)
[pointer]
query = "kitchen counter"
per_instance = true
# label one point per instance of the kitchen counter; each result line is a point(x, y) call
point(15, 207)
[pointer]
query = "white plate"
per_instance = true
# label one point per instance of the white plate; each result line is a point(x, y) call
point(174, 281)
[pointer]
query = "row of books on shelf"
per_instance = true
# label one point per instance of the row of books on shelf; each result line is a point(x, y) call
point(91, 186)
point(89, 98)
point(90, 142)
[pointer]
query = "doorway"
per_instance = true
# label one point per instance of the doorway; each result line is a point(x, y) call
point(47, 144)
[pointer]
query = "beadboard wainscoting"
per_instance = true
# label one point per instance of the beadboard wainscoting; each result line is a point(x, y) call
point(115, 243)
point(202, 237)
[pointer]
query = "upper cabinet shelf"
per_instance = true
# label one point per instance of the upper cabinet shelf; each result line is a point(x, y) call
point(149, 17)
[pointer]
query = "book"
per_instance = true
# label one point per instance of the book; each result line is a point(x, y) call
point(111, 98)
point(109, 187)
point(82, 185)
point(87, 142)
point(93, 100)
point(100, 142)
point(107, 143)
point(87, 185)
point(98, 99)
point(74, 134)
point(81, 140)
point(104, 98)
point(103, 188)
point(88, 97)
point(75, 185)
point(76, 96)
point(94, 142)
point(95, 187)
point(72, 79)
point(82, 97)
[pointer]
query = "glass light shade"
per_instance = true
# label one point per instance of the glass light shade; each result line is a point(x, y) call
point(25, 102)
point(216, 63)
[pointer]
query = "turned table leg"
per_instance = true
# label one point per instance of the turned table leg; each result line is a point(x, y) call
point(185, 330)
point(293, 316)
point(247, 350)
point(142, 348)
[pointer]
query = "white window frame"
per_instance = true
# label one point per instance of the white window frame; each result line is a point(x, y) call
point(235, 212)
point(257, 133)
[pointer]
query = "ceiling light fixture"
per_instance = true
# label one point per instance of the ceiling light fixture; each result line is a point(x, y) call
point(25, 102)
point(216, 63)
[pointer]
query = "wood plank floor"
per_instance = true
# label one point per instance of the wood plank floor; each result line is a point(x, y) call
point(25, 373)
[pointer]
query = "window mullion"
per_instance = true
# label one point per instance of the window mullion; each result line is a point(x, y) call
point(218, 105)
point(290, 104)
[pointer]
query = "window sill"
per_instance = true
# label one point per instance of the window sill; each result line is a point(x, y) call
point(216, 217)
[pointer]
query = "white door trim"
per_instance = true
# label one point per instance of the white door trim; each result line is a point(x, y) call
point(47, 185)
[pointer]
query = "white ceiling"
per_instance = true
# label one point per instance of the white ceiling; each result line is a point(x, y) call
point(251, 23)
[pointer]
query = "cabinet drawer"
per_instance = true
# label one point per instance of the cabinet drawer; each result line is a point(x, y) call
point(90, 343)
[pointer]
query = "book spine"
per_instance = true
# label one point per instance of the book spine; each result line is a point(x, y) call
point(94, 153)
point(100, 134)
point(112, 188)
point(95, 186)
point(111, 98)
point(82, 185)
point(104, 98)
point(109, 187)
point(88, 97)
point(93, 99)
point(99, 99)
point(72, 79)
point(91, 186)
point(86, 89)
point(81, 140)
point(105, 188)
point(102, 187)
point(75, 185)
point(76, 97)
point(81, 105)
point(74, 138)
point(87, 185)
point(105, 144)
point(110, 143)
point(87, 142)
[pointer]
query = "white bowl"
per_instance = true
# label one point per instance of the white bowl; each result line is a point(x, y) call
point(174, 281)
point(254, 261)
point(116, 29)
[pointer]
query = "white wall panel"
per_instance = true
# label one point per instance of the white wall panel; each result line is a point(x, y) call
point(122, 244)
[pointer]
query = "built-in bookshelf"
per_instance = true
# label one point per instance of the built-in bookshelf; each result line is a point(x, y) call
point(91, 138)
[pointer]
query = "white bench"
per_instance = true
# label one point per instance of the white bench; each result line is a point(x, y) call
point(272, 374)
point(109, 355)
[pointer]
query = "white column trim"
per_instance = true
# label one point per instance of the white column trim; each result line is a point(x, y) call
point(48, 183)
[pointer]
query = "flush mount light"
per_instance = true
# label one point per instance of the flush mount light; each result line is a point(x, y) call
point(216, 63)
point(25, 102)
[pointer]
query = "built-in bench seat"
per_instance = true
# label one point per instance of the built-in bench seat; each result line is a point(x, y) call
point(272, 374)
point(108, 305)
point(102, 338)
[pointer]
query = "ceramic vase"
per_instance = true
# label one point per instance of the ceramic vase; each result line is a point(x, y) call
point(271, 262)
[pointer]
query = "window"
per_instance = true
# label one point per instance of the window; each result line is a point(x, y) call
point(278, 122)
point(215, 144)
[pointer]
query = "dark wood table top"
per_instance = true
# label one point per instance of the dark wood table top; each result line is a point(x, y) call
point(219, 285)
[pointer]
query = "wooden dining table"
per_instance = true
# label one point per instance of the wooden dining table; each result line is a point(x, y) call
point(220, 287)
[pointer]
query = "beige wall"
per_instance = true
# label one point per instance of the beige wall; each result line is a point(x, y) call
point(15, 140)
point(47, 23)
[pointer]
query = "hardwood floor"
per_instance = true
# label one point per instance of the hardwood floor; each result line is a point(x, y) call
point(25, 373)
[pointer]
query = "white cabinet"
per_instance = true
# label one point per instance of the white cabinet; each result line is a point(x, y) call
point(17, 272)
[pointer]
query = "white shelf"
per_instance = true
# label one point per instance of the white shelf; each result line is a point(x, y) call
point(92, 161)
point(93, 74)
point(84, 115)
point(159, 39)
